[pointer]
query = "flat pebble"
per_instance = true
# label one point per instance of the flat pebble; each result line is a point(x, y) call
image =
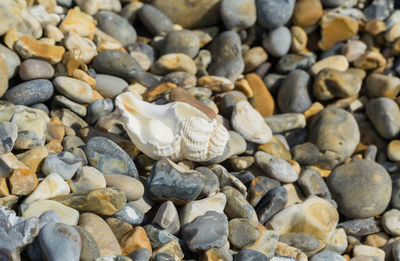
point(31, 69)
point(276, 168)
point(274, 201)
point(285, 122)
point(242, 233)
point(384, 114)
point(109, 158)
point(167, 217)
point(30, 92)
point(74, 89)
point(52, 186)
point(173, 62)
point(110, 86)
point(154, 20)
point(182, 41)
point(250, 255)
point(87, 178)
point(116, 26)
point(273, 13)
point(360, 227)
point(327, 255)
point(132, 187)
point(239, 14)
point(390, 222)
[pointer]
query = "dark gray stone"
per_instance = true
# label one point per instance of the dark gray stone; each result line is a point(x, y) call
point(274, 13)
point(163, 257)
point(143, 48)
point(304, 242)
point(211, 184)
point(97, 109)
point(110, 86)
point(60, 242)
point(293, 95)
point(250, 255)
point(311, 183)
point(237, 205)
point(242, 233)
point(157, 236)
point(395, 200)
point(89, 249)
point(154, 20)
point(293, 62)
point(384, 113)
point(141, 254)
point(116, 26)
point(332, 3)
point(109, 158)
point(259, 188)
point(361, 188)
point(116, 62)
point(181, 41)
point(8, 135)
point(181, 79)
point(361, 227)
point(379, 10)
point(206, 231)
point(305, 154)
point(226, 52)
point(166, 182)
point(30, 92)
point(327, 255)
point(274, 201)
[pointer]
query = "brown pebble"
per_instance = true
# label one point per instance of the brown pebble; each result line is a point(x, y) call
point(307, 12)
point(22, 182)
point(243, 85)
point(182, 95)
point(135, 239)
point(262, 99)
point(158, 91)
point(375, 27)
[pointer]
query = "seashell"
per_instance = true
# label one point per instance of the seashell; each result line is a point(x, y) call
point(175, 130)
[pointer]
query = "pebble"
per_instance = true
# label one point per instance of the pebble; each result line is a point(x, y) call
point(132, 187)
point(22, 182)
point(304, 242)
point(239, 14)
point(158, 237)
point(392, 150)
point(311, 183)
point(337, 62)
point(293, 95)
point(242, 232)
point(98, 109)
point(101, 233)
point(250, 255)
point(167, 217)
point(226, 56)
point(336, 28)
point(31, 69)
point(259, 187)
point(349, 189)
point(181, 95)
point(155, 20)
point(168, 181)
point(52, 186)
point(60, 242)
point(89, 249)
point(135, 239)
point(169, 251)
point(30, 92)
point(109, 158)
point(117, 63)
point(173, 62)
point(12, 61)
point(87, 178)
point(75, 107)
point(253, 58)
point(332, 3)
point(273, 202)
point(304, 218)
point(362, 250)
point(390, 222)
point(384, 114)
point(273, 13)
point(277, 43)
point(262, 99)
point(331, 83)
point(249, 123)
point(181, 41)
point(360, 227)
point(276, 168)
point(329, 123)
point(4, 76)
point(353, 49)
point(237, 205)
point(103, 201)
point(206, 231)
point(36, 208)
point(64, 163)
point(8, 135)
point(389, 85)
point(74, 89)
point(200, 14)
point(140, 254)
point(307, 13)
point(285, 122)
point(327, 255)
point(116, 26)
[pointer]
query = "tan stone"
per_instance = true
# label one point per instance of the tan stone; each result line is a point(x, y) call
point(378, 240)
point(314, 109)
point(336, 28)
point(253, 58)
point(285, 250)
point(307, 12)
point(375, 27)
point(393, 150)
point(295, 195)
point(52, 186)
point(215, 83)
point(393, 33)
point(159, 91)
point(78, 22)
point(85, 45)
point(55, 130)
point(276, 148)
point(96, 96)
point(22, 182)
point(243, 85)
point(8, 163)
point(173, 62)
point(11, 37)
point(315, 216)
point(135, 239)
point(396, 47)
point(54, 146)
point(34, 157)
point(353, 49)
point(338, 241)
point(3, 76)
point(266, 241)
point(52, 31)
point(119, 228)
point(132, 187)
point(83, 76)
point(171, 248)
point(262, 99)
point(337, 62)
point(371, 61)
point(3, 188)
point(299, 40)
point(28, 47)
point(363, 250)
point(215, 254)
point(8, 201)
point(101, 233)
point(73, 60)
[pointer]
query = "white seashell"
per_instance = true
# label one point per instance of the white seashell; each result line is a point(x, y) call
point(175, 130)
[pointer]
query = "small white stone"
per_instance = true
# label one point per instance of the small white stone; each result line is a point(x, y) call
point(88, 178)
point(197, 208)
point(52, 186)
point(250, 124)
point(363, 250)
point(77, 90)
point(44, 18)
point(338, 62)
point(67, 215)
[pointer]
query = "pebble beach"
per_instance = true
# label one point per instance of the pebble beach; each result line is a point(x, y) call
point(209, 130)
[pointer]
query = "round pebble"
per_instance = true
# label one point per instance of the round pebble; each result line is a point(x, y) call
point(30, 92)
point(31, 69)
